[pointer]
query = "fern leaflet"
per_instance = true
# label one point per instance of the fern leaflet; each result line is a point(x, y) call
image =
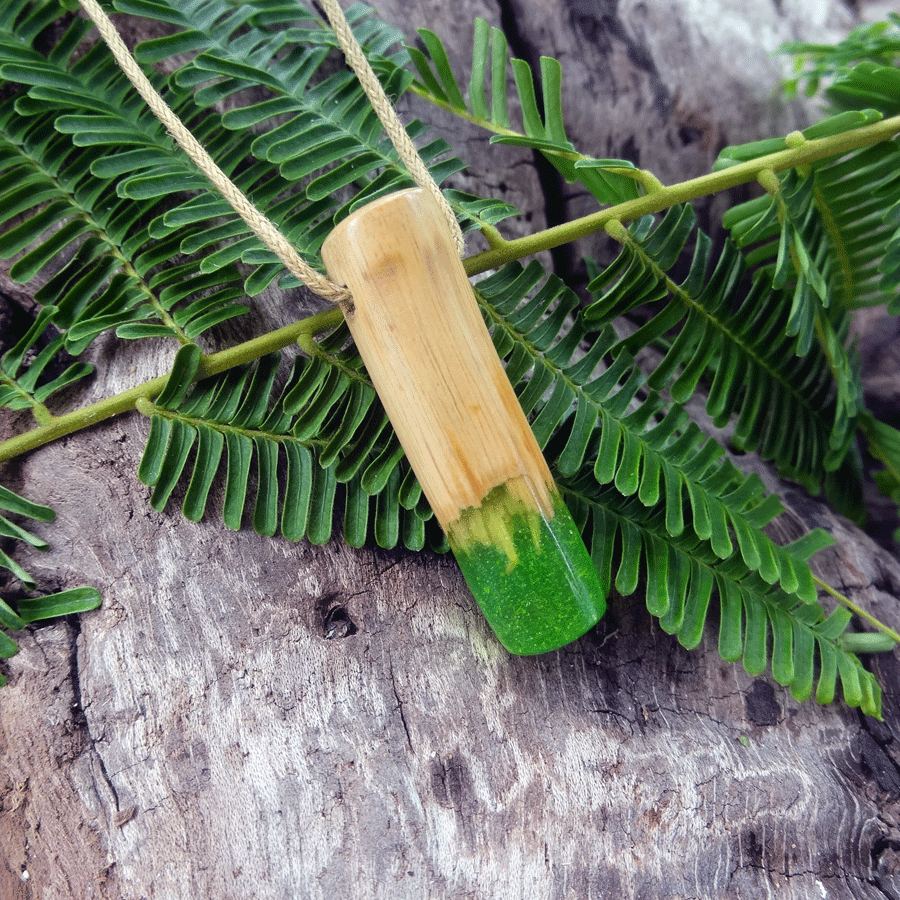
point(609, 180)
point(23, 609)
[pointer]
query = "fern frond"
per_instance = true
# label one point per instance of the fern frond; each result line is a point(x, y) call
point(652, 492)
point(29, 371)
point(542, 128)
point(828, 227)
point(855, 194)
point(737, 335)
point(57, 170)
point(878, 86)
point(656, 500)
point(876, 42)
point(760, 624)
point(16, 613)
point(868, 84)
point(326, 429)
point(826, 232)
point(312, 137)
point(883, 443)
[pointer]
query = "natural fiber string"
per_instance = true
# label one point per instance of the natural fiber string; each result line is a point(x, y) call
point(388, 117)
point(258, 223)
point(262, 227)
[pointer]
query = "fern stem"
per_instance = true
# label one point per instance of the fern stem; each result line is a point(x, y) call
point(504, 252)
point(42, 415)
point(148, 408)
point(838, 243)
point(670, 195)
point(40, 412)
point(858, 610)
point(60, 426)
point(486, 124)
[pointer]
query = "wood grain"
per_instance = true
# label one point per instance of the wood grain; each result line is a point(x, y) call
point(255, 757)
point(420, 333)
point(250, 718)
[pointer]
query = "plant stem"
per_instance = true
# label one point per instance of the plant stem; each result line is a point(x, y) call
point(501, 252)
point(846, 601)
point(669, 195)
point(59, 426)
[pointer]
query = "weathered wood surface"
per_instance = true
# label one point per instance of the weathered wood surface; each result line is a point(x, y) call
point(248, 718)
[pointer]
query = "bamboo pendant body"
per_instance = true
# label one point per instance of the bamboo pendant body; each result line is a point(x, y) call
point(425, 345)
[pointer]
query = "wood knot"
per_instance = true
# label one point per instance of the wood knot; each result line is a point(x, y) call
point(336, 623)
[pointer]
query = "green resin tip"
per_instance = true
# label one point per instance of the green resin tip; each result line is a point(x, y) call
point(530, 573)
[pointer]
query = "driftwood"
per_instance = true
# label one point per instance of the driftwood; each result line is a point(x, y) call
point(249, 718)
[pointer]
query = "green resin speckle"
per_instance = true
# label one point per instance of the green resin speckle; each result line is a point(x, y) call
point(530, 574)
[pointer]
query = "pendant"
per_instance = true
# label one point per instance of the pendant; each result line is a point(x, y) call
point(420, 333)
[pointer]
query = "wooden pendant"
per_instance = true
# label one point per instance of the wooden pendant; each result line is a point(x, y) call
point(422, 338)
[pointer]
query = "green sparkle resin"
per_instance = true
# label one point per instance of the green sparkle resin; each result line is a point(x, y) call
point(531, 575)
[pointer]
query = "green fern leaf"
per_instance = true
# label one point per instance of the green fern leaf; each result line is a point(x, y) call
point(822, 211)
point(29, 372)
point(832, 125)
point(321, 507)
point(302, 127)
point(764, 589)
point(445, 83)
point(877, 42)
point(844, 191)
point(884, 445)
point(327, 425)
point(868, 84)
point(594, 426)
point(16, 613)
point(62, 603)
point(610, 181)
point(37, 165)
point(759, 624)
point(181, 439)
point(182, 376)
point(735, 336)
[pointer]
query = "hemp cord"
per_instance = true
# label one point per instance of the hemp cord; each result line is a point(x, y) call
point(387, 115)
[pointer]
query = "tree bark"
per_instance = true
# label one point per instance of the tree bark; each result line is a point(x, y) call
point(246, 717)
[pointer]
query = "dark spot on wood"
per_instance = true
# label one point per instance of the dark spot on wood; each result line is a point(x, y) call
point(689, 134)
point(654, 816)
point(760, 704)
point(886, 858)
point(630, 150)
point(450, 782)
point(752, 849)
point(336, 623)
point(876, 765)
